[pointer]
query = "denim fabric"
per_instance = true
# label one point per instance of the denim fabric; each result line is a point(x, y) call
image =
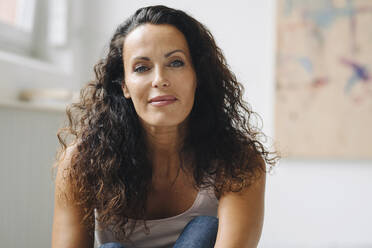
point(112, 245)
point(200, 232)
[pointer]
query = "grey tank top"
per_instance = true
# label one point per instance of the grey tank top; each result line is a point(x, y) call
point(162, 233)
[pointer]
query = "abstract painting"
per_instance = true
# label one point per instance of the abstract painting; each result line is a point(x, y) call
point(323, 105)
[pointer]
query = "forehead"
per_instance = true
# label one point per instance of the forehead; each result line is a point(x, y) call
point(150, 38)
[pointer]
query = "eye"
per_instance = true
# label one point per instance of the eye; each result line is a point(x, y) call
point(141, 68)
point(177, 63)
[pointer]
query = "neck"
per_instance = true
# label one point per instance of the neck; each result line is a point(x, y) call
point(164, 145)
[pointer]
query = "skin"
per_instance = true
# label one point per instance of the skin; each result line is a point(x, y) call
point(241, 215)
point(68, 232)
point(157, 62)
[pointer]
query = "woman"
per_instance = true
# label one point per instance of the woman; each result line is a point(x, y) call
point(162, 145)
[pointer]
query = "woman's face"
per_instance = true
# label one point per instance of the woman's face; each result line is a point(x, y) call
point(159, 75)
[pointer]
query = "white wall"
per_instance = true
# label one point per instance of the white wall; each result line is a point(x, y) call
point(27, 149)
point(319, 203)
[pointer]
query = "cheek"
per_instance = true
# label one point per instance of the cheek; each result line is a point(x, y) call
point(133, 86)
point(138, 94)
point(190, 87)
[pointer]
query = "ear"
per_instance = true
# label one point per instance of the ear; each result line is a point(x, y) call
point(125, 90)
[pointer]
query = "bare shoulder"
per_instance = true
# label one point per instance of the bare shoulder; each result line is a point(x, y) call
point(63, 167)
point(69, 229)
point(242, 211)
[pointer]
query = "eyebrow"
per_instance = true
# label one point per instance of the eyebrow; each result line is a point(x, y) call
point(166, 55)
point(174, 51)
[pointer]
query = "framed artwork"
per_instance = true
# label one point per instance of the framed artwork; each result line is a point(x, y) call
point(323, 105)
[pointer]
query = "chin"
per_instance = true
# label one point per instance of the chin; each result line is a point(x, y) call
point(163, 121)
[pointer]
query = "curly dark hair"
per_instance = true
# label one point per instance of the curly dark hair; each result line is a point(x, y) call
point(111, 171)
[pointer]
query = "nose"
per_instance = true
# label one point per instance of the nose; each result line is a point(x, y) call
point(160, 80)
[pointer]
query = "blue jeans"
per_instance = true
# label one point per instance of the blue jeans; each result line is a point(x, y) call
point(200, 232)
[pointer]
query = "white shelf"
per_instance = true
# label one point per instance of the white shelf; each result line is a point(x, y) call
point(38, 106)
point(9, 98)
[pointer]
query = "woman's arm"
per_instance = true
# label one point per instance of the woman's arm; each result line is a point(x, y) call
point(68, 230)
point(241, 216)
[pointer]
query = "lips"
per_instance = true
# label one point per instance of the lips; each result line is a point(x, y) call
point(160, 101)
point(163, 98)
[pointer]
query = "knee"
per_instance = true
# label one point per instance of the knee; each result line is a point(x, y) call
point(205, 218)
point(111, 245)
point(205, 221)
point(201, 231)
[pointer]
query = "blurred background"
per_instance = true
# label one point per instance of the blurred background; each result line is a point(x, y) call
point(47, 52)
